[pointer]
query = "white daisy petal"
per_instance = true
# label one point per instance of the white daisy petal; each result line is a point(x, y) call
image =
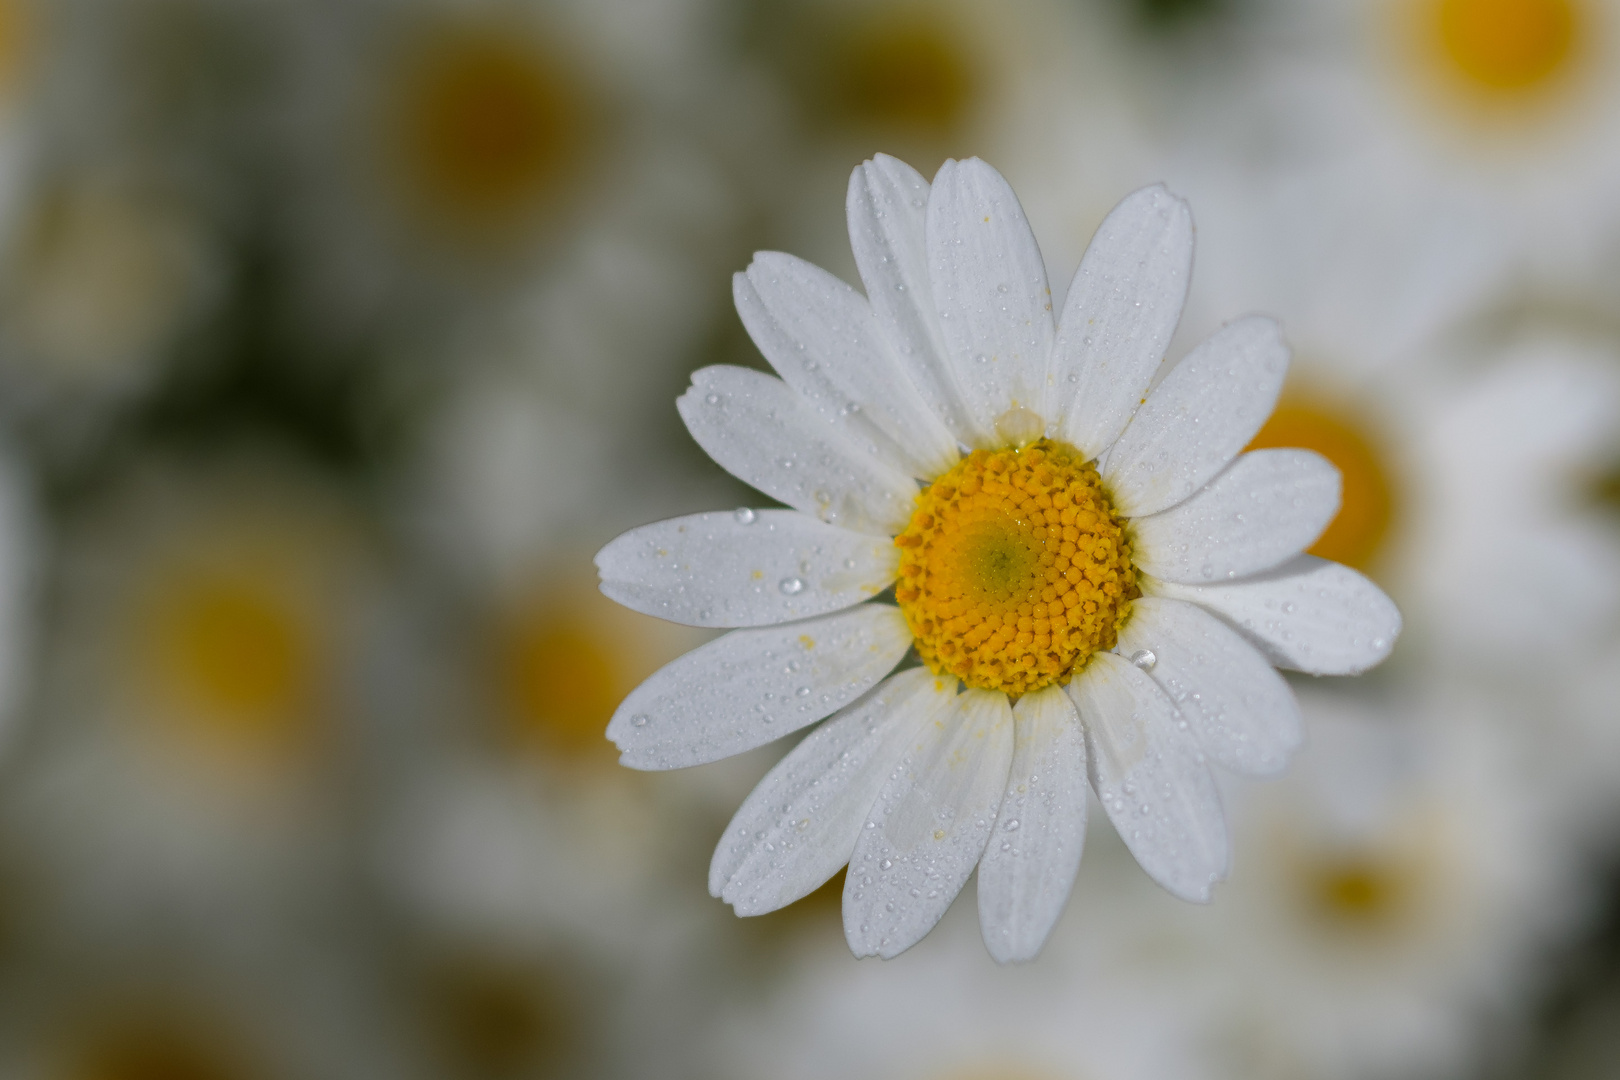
point(1151, 777)
point(744, 568)
point(822, 338)
point(1267, 508)
point(1308, 614)
point(1197, 419)
point(751, 687)
point(1030, 862)
point(1117, 320)
point(765, 435)
point(929, 826)
point(801, 823)
point(991, 292)
point(1242, 712)
point(888, 212)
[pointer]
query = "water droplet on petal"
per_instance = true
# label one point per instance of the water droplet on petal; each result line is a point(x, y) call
point(792, 586)
point(1144, 659)
point(745, 516)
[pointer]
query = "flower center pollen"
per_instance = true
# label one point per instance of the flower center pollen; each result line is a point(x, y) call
point(1015, 569)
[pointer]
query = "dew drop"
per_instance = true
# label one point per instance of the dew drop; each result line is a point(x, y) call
point(639, 720)
point(745, 516)
point(1012, 826)
point(791, 586)
point(1144, 659)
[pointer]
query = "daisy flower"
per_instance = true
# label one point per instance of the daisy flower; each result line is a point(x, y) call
point(1096, 580)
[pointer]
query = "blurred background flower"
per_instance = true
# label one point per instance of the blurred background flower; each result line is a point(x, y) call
point(335, 338)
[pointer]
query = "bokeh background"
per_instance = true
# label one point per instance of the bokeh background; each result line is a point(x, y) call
point(337, 335)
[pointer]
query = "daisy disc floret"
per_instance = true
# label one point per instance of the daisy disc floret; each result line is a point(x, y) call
point(1096, 579)
point(1014, 569)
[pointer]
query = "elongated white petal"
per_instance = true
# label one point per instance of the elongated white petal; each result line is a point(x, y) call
point(1117, 320)
point(1151, 777)
point(1267, 508)
point(990, 291)
point(765, 435)
point(929, 826)
point(744, 568)
point(1242, 712)
point(822, 338)
point(801, 823)
point(1196, 420)
point(1029, 865)
point(888, 210)
point(1308, 614)
point(753, 686)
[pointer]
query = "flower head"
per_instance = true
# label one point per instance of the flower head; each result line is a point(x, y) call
point(1096, 579)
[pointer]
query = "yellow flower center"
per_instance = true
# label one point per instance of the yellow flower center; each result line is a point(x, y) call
point(487, 125)
point(1507, 45)
point(495, 1019)
point(564, 679)
point(904, 71)
point(1015, 568)
point(15, 43)
point(1357, 890)
point(155, 1053)
point(236, 655)
point(1367, 503)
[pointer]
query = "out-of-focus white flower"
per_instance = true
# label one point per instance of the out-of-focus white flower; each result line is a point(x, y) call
point(204, 677)
point(456, 155)
point(516, 822)
point(1391, 906)
point(102, 275)
point(1541, 421)
point(1507, 104)
point(945, 1012)
point(167, 1006)
point(1045, 89)
point(1020, 567)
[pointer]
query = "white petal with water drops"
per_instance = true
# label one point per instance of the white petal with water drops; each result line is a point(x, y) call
point(1029, 865)
point(801, 823)
point(751, 687)
point(1266, 508)
point(756, 568)
point(1118, 318)
point(1309, 614)
point(1151, 777)
point(990, 290)
point(1242, 712)
point(929, 826)
point(765, 435)
point(1197, 419)
point(887, 207)
point(823, 339)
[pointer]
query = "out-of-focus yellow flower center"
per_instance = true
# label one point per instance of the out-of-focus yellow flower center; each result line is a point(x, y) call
point(1014, 568)
point(16, 33)
point(1355, 890)
point(904, 70)
point(564, 680)
point(233, 650)
point(1504, 46)
point(1367, 503)
point(495, 1020)
point(488, 124)
point(154, 1054)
